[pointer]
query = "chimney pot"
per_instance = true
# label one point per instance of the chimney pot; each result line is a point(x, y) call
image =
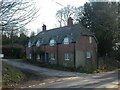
point(44, 27)
point(70, 21)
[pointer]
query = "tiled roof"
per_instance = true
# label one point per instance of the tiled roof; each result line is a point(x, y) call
point(58, 34)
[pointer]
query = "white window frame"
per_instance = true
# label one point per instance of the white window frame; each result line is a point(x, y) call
point(38, 56)
point(52, 42)
point(38, 43)
point(66, 40)
point(66, 56)
point(88, 54)
point(30, 56)
point(29, 44)
point(90, 39)
point(52, 56)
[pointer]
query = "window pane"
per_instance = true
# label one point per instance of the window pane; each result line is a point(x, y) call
point(29, 44)
point(90, 39)
point(38, 43)
point(38, 56)
point(67, 56)
point(52, 56)
point(52, 42)
point(30, 56)
point(88, 55)
point(66, 40)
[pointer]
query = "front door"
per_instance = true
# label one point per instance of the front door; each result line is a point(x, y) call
point(47, 58)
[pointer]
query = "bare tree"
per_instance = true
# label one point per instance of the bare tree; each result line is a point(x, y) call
point(63, 14)
point(79, 13)
point(15, 14)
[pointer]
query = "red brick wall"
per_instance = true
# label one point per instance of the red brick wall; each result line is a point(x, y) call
point(84, 45)
point(62, 48)
point(59, 50)
point(28, 51)
point(51, 49)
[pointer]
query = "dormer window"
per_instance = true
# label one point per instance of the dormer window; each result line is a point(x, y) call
point(66, 40)
point(38, 43)
point(52, 42)
point(29, 44)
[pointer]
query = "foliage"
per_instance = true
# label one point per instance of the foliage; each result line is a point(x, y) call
point(16, 48)
point(5, 40)
point(16, 14)
point(16, 39)
point(11, 74)
point(101, 18)
point(32, 34)
point(107, 64)
point(13, 52)
point(64, 13)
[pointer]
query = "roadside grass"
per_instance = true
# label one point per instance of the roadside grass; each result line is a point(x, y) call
point(102, 67)
point(11, 75)
point(63, 68)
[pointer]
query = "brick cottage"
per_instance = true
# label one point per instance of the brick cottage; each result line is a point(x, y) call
point(71, 46)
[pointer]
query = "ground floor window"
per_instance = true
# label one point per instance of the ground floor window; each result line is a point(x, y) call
point(88, 54)
point(38, 57)
point(67, 57)
point(52, 56)
point(30, 56)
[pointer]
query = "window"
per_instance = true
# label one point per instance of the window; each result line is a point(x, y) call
point(29, 44)
point(66, 40)
point(90, 39)
point(52, 56)
point(88, 55)
point(30, 56)
point(52, 42)
point(38, 57)
point(38, 43)
point(67, 56)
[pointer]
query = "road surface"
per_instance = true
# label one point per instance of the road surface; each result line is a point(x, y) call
point(70, 79)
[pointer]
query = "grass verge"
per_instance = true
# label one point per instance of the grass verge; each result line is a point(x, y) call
point(10, 74)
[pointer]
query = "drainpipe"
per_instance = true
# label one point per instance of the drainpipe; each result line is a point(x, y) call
point(57, 55)
point(74, 56)
point(44, 54)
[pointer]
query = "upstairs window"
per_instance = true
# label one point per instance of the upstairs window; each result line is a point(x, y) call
point(66, 40)
point(90, 39)
point(52, 42)
point(29, 44)
point(67, 57)
point(38, 43)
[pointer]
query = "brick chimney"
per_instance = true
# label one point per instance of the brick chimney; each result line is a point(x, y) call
point(44, 27)
point(70, 21)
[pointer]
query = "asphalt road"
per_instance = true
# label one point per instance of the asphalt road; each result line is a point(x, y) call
point(70, 79)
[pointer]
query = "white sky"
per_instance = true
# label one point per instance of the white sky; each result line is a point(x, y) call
point(48, 9)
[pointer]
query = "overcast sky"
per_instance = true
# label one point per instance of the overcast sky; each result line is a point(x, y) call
point(48, 9)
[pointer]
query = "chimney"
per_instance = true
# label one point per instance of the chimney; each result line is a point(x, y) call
point(70, 21)
point(44, 27)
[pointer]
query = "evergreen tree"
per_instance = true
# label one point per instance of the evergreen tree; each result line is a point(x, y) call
point(101, 18)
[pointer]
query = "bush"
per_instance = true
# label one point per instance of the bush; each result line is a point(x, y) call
point(12, 52)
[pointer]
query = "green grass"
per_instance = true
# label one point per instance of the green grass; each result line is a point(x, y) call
point(10, 74)
point(102, 68)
